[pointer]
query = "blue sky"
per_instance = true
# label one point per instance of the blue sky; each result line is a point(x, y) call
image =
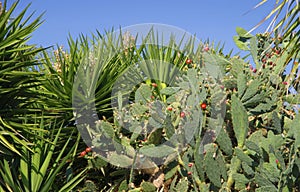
point(213, 19)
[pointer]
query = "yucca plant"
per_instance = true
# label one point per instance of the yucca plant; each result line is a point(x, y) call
point(60, 68)
point(28, 138)
point(37, 169)
point(17, 75)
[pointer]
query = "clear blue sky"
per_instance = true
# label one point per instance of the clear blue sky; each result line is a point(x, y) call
point(213, 19)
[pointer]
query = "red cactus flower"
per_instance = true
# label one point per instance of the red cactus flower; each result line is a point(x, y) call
point(82, 154)
point(182, 114)
point(206, 48)
point(188, 61)
point(88, 149)
point(203, 106)
point(154, 85)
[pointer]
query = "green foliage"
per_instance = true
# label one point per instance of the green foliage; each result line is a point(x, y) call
point(257, 149)
point(239, 120)
point(215, 124)
point(37, 169)
point(285, 25)
point(30, 135)
point(17, 77)
point(148, 187)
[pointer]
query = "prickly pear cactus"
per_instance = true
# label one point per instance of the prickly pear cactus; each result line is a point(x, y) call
point(236, 129)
